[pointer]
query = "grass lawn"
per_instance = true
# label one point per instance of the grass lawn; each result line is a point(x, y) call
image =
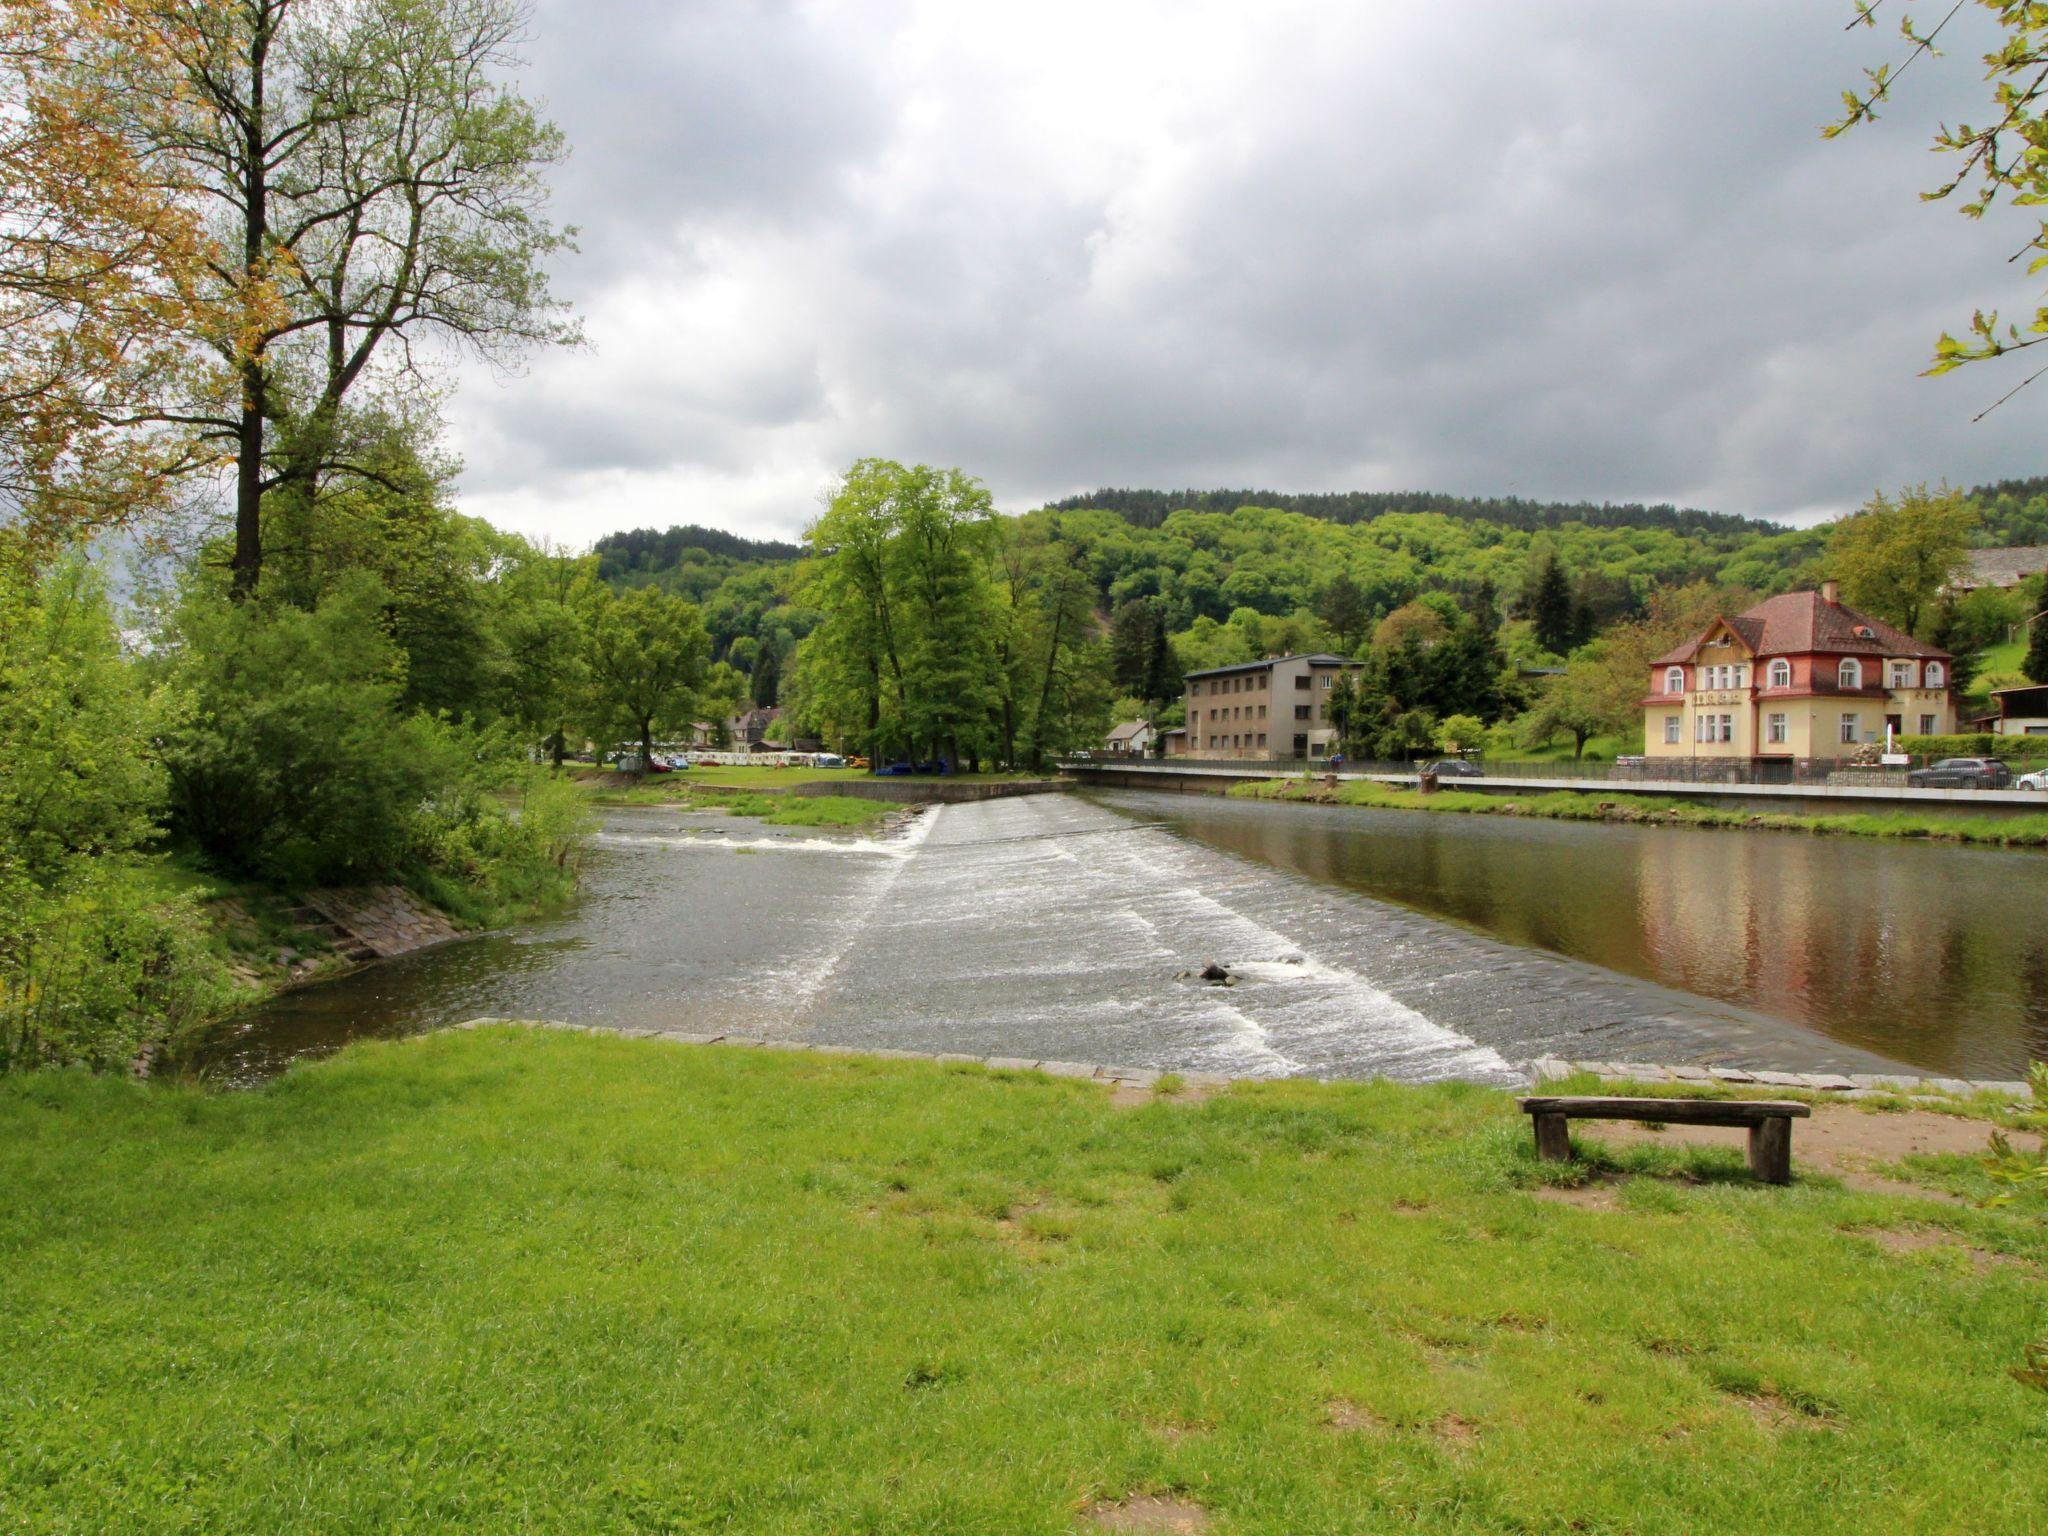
point(784, 810)
point(524, 1281)
point(2018, 830)
point(723, 777)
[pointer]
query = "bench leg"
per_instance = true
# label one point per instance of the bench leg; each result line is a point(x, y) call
point(1553, 1138)
point(1770, 1149)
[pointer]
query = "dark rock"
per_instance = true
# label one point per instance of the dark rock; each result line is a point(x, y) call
point(1214, 972)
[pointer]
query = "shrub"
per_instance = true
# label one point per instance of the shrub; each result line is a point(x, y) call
point(1972, 744)
point(109, 964)
point(288, 757)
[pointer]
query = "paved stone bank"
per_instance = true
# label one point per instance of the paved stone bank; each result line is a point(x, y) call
point(386, 920)
point(1846, 1085)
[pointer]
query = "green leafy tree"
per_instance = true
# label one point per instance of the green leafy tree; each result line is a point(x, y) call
point(1343, 609)
point(1583, 703)
point(1892, 557)
point(647, 658)
point(288, 756)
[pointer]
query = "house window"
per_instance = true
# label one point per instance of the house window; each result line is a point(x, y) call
point(1781, 674)
point(1315, 749)
point(1927, 725)
point(1301, 682)
point(1776, 730)
point(1934, 676)
point(1328, 679)
point(1849, 675)
point(1848, 726)
point(1262, 711)
point(1902, 674)
point(1262, 738)
point(1301, 711)
point(1727, 727)
point(1674, 679)
point(1670, 730)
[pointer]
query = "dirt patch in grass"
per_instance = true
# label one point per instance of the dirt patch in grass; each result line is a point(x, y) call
point(1909, 1240)
point(1455, 1430)
point(1774, 1415)
point(1173, 1431)
point(1840, 1141)
point(1149, 1512)
point(1342, 1414)
point(1587, 1197)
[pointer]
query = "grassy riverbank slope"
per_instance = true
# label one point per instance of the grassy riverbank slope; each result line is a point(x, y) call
point(2012, 831)
point(511, 1280)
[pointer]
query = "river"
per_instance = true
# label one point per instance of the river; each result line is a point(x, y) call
point(1364, 942)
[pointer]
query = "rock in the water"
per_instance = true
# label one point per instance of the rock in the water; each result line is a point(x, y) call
point(1214, 972)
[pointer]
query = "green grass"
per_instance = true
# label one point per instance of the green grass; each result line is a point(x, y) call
point(719, 776)
point(2016, 831)
point(782, 810)
point(523, 1281)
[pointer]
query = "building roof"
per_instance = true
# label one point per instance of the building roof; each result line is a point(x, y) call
point(1313, 658)
point(2004, 567)
point(1129, 730)
point(2031, 700)
point(1795, 623)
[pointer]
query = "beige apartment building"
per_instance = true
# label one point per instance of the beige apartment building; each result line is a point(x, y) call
point(1797, 678)
point(1276, 708)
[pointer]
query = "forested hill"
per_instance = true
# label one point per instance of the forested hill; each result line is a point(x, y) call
point(1148, 509)
point(643, 549)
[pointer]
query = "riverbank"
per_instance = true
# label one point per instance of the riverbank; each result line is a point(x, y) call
point(781, 806)
point(554, 1281)
point(2022, 831)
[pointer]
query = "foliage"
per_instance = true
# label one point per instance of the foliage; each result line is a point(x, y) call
point(288, 757)
point(371, 180)
point(646, 659)
point(1892, 557)
point(490, 1231)
point(2003, 157)
point(2036, 664)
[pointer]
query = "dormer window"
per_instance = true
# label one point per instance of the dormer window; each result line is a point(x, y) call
point(1934, 674)
point(1781, 674)
point(1850, 673)
point(1674, 680)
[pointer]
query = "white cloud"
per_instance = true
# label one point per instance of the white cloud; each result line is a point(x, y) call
point(1578, 250)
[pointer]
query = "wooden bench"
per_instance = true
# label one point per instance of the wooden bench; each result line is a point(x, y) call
point(1769, 1122)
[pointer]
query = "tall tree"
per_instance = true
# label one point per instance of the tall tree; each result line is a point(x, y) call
point(373, 183)
point(1131, 630)
point(647, 657)
point(1343, 609)
point(101, 259)
point(1892, 557)
point(766, 682)
point(1550, 608)
point(2035, 665)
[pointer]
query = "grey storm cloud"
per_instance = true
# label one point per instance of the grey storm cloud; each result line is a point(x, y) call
point(1576, 250)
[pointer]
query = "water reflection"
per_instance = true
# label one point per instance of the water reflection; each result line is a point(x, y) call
point(1930, 954)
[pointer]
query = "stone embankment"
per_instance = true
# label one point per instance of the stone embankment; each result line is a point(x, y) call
point(1845, 1085)
point(379, 921)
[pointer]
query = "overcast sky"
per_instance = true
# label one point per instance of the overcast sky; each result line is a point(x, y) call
point(1557, 250)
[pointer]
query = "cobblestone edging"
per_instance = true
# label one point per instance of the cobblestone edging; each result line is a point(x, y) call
point(1845, 1085)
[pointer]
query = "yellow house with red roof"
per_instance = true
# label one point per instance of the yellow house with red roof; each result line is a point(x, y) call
point(1800, 676)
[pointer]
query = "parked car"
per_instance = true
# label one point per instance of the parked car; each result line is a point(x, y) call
point(1454, 768)
point(828, 760)
point(2038, 779)
point(1962, 773)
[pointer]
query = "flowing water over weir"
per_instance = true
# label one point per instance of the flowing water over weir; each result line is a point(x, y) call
point(1056, 926)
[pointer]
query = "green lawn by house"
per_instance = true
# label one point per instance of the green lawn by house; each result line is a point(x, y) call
point(523, 1281)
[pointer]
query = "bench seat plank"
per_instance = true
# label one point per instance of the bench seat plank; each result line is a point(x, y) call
point(1668, 1111)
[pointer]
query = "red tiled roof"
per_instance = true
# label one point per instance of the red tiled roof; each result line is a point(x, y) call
point(1796, 623)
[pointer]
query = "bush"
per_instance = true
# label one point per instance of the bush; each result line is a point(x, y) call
point(110, 964)
point(289, 760)
point(1973, 744)
point(489, 863)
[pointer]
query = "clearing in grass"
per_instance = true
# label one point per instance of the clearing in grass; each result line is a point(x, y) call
point(512, 1280)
